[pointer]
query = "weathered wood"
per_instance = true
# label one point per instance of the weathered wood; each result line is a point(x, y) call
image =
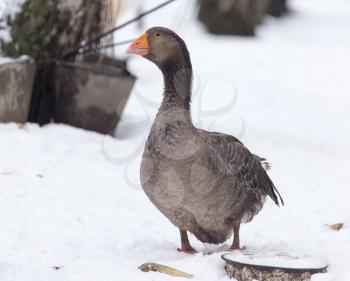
point(16, 80)
point(46, 29)
point(236, 17)
point(246, 273)
point(91, 96)
point(271, 267)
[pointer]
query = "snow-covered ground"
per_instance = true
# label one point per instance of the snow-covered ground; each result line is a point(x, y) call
point(70, 199)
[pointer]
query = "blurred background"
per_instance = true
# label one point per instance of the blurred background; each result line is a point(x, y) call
point(76, 112)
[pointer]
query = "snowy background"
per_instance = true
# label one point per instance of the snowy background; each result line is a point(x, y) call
point(71, 207)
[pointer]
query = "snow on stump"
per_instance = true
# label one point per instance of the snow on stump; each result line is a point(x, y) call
point(16, 80)
point(91, 96)
point(235, 17)
point(272, 267)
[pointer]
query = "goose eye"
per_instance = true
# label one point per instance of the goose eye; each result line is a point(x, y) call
point(157, 34)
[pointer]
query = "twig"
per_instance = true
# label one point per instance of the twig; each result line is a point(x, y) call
point(164, 269)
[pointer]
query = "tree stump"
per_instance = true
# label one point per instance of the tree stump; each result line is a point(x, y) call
point(275, 267)
point(16, 80)
point(232, 17)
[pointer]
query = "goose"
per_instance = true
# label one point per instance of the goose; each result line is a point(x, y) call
point(205, 183)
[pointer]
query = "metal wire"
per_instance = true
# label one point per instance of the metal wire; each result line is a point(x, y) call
point(106, 46)
point(76, 50)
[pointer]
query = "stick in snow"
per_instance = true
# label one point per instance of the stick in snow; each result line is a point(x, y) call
point(147, 267)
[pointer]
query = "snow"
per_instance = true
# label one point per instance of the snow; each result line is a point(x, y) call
point(71, 199)
point(276, 259)
point(8, 8)
point(6, 60)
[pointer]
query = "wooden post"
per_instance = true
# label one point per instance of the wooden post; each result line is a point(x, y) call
point(16, 80)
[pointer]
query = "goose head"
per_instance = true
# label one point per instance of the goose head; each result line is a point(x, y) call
point(163, 47)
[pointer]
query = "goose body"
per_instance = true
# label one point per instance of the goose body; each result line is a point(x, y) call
point(204, 182)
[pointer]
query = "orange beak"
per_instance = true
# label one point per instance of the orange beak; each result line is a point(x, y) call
point(140, 46)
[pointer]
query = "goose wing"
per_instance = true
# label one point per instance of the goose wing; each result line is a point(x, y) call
point(233, 159)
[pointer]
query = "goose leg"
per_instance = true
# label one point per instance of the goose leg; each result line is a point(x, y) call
point(236, 242)
point(185, 244)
